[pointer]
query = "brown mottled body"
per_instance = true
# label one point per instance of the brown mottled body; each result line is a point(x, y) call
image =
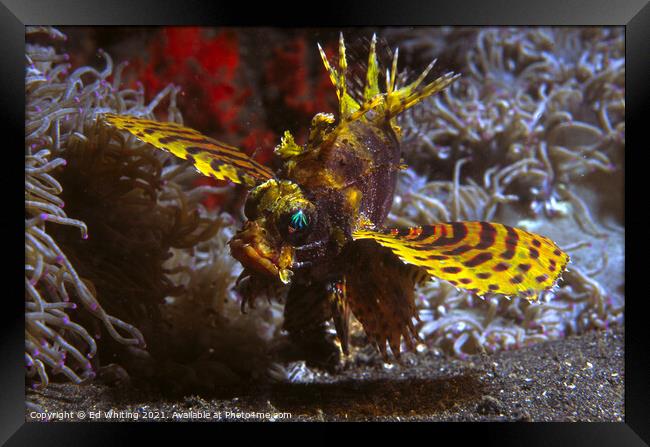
point(359, 160)
point(350, 175)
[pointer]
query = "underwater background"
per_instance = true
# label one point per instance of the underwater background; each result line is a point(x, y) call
point(128, 275)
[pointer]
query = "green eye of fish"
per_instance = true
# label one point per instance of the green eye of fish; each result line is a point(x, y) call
point(296, 226)
point(298, 221)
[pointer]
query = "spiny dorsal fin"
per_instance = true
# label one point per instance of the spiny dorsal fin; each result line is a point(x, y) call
point(388, 104)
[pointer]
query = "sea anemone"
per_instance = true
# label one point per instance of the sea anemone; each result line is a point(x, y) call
point(554, 96)
point(459, 323)
point(537, 118)
point(56, 106)
point(150, 262)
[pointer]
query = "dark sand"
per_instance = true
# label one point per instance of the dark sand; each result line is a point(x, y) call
point(577, 379)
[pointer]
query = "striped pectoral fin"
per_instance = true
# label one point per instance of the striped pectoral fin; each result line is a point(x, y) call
point(481, 257)
point(210, 157)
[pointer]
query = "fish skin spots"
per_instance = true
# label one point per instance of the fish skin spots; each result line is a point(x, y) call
point(459, 233)
point(517, 279)
point(487, 236)
point(181, 141)
point(458, 251)
point(478, 259)
point(541, 278)
point(216, 164)
point(511, 241)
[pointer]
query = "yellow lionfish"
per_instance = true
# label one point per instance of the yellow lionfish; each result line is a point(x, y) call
point(314, 226)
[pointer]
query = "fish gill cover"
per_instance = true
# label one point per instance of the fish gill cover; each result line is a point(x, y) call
point(526, 137)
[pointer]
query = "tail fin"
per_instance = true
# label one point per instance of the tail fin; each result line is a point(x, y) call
point(388, 104)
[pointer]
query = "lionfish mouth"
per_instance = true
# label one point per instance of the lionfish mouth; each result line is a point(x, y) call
point(250, 246)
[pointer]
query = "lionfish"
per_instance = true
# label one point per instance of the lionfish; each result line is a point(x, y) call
point(314, 225)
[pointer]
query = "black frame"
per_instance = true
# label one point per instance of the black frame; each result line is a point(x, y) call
point(15, 14)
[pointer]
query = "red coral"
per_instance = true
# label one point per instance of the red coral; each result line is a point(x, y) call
point(205, 65)
point(260, 144)
point(290, 70)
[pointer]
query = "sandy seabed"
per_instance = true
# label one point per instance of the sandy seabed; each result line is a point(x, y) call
point(580, 378)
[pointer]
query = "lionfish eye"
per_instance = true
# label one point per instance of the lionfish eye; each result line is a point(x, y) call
point(296, 226)
point(298, 221)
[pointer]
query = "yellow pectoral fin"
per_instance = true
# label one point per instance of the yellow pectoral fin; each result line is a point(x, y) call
point(212, 158)
point(481, 257)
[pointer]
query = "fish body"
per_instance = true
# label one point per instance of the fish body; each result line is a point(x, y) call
point(360, 160)
point(314, 230)
point(350, 176)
